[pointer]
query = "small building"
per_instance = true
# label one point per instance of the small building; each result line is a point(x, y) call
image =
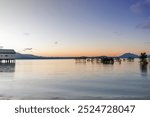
point(7, 55)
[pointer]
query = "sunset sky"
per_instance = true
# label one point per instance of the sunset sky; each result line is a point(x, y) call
point(75, 27)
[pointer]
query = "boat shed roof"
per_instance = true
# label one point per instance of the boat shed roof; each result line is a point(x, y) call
point(7, 51)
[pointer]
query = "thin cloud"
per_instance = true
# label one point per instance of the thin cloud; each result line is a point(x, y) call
point(144, 25)
point(137, 7)
point(28, 49)
point(140, 6)
point(56, 42)
point(26, 34)
point(118, 33)
point(147, 42)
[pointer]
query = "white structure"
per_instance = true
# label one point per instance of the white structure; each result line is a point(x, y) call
point(7, 55)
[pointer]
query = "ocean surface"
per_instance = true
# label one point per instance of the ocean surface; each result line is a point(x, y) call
point(67, 79)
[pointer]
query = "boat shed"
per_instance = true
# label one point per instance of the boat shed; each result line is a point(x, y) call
point(7, 55)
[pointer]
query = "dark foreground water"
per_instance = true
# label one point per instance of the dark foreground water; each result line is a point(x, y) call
point(65, 79)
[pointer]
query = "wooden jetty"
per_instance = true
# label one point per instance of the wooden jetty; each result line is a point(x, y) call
point(104, 60)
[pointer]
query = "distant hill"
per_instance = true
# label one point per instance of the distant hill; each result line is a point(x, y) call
point(26, 56)
point(30, 56)
point(127, 55)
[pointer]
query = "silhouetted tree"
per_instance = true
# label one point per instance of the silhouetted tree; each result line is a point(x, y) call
point(143, 58)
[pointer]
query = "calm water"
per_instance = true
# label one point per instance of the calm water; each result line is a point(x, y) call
point(65, 79)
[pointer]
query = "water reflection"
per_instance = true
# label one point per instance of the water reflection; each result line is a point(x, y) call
point(7, 67)
point(95, 62)
point(143, 68)
point(64, 79)
point(80, 62)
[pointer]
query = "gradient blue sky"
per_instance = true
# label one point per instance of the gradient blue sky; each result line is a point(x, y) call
point(75, 27)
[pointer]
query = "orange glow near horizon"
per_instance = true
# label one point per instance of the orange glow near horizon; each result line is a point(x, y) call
point(75, 53)
point(71, 51)
point(64, 53)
